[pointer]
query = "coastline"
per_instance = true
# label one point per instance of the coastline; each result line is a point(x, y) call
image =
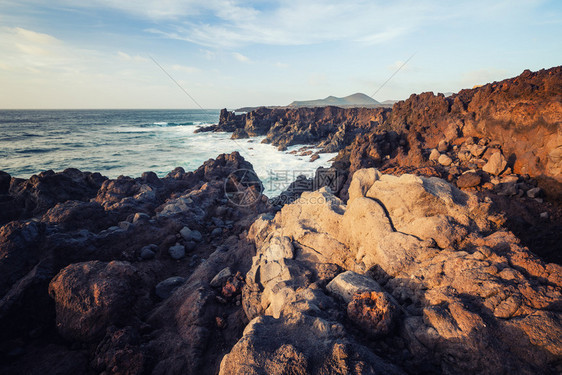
point(425, 248)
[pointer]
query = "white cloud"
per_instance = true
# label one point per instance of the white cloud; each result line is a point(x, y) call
point(126, 57)
point(235, 23)
point(281, 65)
point(240, 57)
point(185, 68)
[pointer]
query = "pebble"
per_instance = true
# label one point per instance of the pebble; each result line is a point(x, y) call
point(196, 236)
point(216, 232)
point(186, 233)
point(544, 215)
point(534, 192)
point(177, 251)
point(148, 252)
point(444, 160)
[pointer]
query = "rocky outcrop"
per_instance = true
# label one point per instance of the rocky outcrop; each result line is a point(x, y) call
point(331, 128)
point(21, 199)
point(95, 281)
point(465, 296)
point(522, 115)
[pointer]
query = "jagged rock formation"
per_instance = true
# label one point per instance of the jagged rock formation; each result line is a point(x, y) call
point(332, 128)
point(470, 298)
point(523, 115)
point(82, 279)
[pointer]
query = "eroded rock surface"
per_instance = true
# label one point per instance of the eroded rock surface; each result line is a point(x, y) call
point(469, 297)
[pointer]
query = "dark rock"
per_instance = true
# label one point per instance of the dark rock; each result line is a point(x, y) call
point(164, 289)
point(148, 252)
point(91, 296)
point(177, 251)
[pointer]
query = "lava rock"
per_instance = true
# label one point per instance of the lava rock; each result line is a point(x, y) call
point(177, 251)
point(468, 180)
point(166, 288)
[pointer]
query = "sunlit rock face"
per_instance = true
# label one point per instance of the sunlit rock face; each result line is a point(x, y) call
point(465, 296)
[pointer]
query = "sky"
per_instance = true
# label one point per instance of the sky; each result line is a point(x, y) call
point(69, 54)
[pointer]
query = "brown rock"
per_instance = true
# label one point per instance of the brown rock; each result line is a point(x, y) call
point(496, 164)
point(468, 180)
point(91, 296)
point(373, 312)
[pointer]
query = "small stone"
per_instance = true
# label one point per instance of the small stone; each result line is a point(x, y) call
point(190, 246)
point(164, 289)
point(177, 251)
point(186, 233)
point(216, 232)
point(496, 164)
point(544, 215)
point(534, 192)
point(468, 180)
point(508, 189)
point(221, 277)
point(444, 160)
point(477, 150)
point(196, 236)
point(443, 146)
point(434, 155)
point(148, 252)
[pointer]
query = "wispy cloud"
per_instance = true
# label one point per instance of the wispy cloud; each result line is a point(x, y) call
point(235, 23)
point(185, 68)
point(240, 57)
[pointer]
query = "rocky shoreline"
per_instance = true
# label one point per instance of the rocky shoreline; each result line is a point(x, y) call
point(416, 253)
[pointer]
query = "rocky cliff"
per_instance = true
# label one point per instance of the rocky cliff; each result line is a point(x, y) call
point(520, 117)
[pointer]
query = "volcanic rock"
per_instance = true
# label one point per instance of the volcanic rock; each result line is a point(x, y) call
point(91, 296)
point(468, 180)
point(373, 312)
point(496, 164)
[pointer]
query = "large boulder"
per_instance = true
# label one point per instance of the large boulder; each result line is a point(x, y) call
point(93, 295)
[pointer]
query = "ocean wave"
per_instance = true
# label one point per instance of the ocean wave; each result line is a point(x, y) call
point(168, 124)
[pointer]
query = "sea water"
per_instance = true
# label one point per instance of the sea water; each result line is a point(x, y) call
point(129, 142)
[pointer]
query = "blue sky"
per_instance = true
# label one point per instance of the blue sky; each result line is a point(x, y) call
point(228, 53)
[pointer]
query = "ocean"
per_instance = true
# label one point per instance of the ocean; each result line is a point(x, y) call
point(130, 142)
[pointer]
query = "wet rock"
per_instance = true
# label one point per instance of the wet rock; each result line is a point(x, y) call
point(165, 288)
point(373, 312)
point(177, 251)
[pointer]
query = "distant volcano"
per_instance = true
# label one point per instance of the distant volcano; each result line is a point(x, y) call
point(355, 100)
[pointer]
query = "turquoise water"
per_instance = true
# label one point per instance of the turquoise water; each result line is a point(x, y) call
point(129, 142)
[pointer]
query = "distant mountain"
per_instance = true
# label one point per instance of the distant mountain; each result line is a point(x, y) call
point(355, 100)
